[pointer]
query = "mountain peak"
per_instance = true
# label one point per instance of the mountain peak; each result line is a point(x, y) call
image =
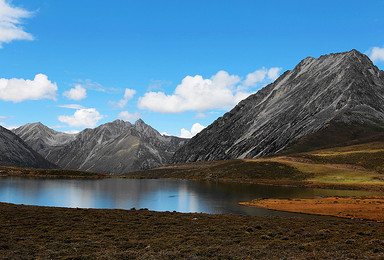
point(345, 86)
point(15, 152)
point(352, 56)
point(37, 124)
point(140, 122)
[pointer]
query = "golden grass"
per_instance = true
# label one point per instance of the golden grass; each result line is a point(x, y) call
point(336, 153)
point(331, 174)
point(371, 208)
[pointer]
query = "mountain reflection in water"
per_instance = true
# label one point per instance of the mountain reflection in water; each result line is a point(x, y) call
point(154, 194)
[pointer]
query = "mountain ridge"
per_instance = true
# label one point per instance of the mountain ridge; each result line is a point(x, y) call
point(15, 152)
point(341, 87)
point(113, 148)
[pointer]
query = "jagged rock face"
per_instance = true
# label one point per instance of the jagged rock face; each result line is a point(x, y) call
point(343, 87)
point(41, 138)
point(15, 152)
point(113, 148)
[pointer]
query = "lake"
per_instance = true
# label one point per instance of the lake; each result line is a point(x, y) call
point(154, 194)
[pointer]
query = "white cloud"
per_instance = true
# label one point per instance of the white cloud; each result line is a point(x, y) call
point(10, 23)
point(76, 93)
point(126, 116)
point(165, 134)
point(274, 73)
point(86, 117)
point(128, 95)
point(72, 106)
point(261, 75)
point(196, 128)
point(376, 54)
point(253, 78)
point(184, 133)
point(18, 90)
point(72, 132)
point(194, 93)
point(221, 91)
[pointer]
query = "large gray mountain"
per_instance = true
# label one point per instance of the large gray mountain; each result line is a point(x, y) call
point(15, 152)
point(338, 95)
point(113, 148)
point(41, 138)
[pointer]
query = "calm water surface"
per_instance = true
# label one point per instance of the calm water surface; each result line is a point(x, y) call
point(158, 194)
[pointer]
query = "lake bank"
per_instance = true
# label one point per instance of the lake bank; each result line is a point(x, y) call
point(186, 196)
point(47, 232)
point(10, 171)
point(275, 171)
point(369, 208)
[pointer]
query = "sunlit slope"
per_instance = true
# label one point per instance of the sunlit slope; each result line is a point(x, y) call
point(353, 166)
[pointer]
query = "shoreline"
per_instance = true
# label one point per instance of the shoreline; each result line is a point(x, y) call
point(31, 232)
point(366, 208)
point(276, 183)
point(266, 182)
point(236, 171)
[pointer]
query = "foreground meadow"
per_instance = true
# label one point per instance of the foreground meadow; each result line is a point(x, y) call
point(30, 232)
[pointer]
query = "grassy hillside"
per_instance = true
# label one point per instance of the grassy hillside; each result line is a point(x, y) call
point(358, 166)
point(229, 169)
point(369, 156)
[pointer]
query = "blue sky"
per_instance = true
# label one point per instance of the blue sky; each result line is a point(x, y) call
point(176, 64)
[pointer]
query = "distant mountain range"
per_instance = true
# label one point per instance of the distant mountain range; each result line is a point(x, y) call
point(15, 152)
point(335, 100)
point(322, 102)
point(113, 148)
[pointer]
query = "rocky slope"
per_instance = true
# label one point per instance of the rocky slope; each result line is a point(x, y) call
point(15, 152)
point(41, 138)
point(113, 148)
point(340, 92)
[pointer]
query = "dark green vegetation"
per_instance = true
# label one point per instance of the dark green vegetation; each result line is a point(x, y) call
point(30, 172)
point(30, 232)
point(229, 169)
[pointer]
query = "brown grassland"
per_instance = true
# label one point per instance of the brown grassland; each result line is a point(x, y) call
point(31, 232)
point(371, 208)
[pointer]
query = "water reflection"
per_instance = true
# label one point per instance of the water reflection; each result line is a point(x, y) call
point(159, 195)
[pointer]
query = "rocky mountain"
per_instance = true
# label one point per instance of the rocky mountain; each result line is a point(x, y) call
point(322, 102)
point(41, 138)
point(15, 152)
point(113, 148)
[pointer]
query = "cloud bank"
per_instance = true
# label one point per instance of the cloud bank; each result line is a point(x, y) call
point(18, 90)
point(84, 117)
point(221, 91)
point(10, 23)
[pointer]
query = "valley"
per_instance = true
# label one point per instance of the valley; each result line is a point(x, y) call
point(311, 142)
